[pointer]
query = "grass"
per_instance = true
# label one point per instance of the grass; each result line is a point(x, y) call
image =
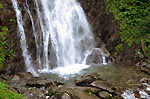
point(7, 94)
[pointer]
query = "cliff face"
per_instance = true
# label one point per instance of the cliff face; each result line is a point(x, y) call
point(100, 20)
point(16, 63)
point(104, 29)
point(7, 13)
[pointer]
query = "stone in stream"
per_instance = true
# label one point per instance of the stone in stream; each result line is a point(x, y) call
point(32, 87)
point(103, 85)
point(145, 68)
point(66, 96)
point(104, 94)
point(26, 75)
point(87, 80)
point(73, 93)
point(16, 77)
point(96, 56)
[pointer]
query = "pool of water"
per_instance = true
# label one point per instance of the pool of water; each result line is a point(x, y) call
point(122, 77)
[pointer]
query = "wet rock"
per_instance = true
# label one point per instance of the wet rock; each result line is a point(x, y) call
point(32, 87)
point(137, 95)
point(26, 75)
point(52, 97)
point(96, 56)
point(66, 96)
point(145, 81)
point(12, 89)
point(39, 82)
point(7, 77)
point(138, 64)
point(104, 95)
point(16, 77)
point(74, 93)
point(103, 85)
point(87, 80)
point(145, 69)
point(89, 89)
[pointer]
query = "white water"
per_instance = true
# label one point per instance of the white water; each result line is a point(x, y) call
point(128, 94)
point(25, 53)
point(66, 36)
point(68, 30)
point(26, 6)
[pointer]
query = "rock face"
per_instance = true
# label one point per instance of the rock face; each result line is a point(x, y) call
point(105, 30)
point(7, 13)
point(16, 63)
point(101, 22)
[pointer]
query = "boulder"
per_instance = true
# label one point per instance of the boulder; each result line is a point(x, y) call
point(103, 85)
point(89, 89)
point(87, 80)
point(73, 93)
point(145, 68)
point(39, 82)
point(96, 56)
point(66, 96)
point(16, 77)
point(32, 87)
point(26, 75)
point(104, 94)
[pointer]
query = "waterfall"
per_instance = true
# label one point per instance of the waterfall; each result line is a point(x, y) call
point(65, 40)
point(25, 53)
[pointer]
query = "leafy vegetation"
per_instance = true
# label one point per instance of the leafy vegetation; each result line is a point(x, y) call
point(1, 6)
point(118, 48)
point(51, 93)
point(90, 93)
point(5, 50)
point(12, 20)
point(134, 20)
point(7, 94)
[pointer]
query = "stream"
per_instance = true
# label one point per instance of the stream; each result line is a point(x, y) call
point(122, 77)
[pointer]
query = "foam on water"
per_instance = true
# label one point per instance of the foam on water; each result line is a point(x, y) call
point(67, 70)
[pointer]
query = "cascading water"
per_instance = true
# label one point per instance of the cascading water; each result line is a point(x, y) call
point(66, 36)
point(25, 53)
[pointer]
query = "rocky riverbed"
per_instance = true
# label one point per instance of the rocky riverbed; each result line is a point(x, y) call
point(133, 82)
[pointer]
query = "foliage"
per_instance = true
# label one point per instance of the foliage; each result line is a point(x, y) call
point(5, 51)
point(1, 6)
point(134, 20)
point(118, 48)
point(51, 93)
point(7, 94)
point(12, 20)
point(90, 93)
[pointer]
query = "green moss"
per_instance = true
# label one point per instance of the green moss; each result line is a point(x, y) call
point(5, 49)
point(7, 94)
point(1, 6)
